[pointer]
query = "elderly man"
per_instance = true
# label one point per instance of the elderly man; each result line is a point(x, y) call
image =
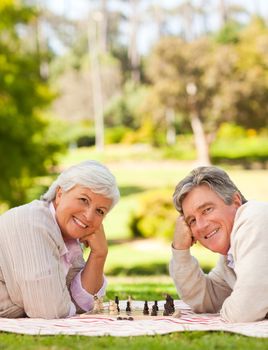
point(216, 214)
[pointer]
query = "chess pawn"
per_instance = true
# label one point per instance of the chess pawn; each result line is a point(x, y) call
point(98, 305)
point(112, 308)
point(116, 300)
point(128, 308)
point(154, 311)
point(156, 305)
point(146, 308)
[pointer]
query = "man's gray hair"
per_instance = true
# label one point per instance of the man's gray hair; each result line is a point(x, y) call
point(91, 174)
point(216, 178)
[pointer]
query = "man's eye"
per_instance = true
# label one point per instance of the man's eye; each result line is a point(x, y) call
point(101, 212)
point(191, 222)
point(207, 210)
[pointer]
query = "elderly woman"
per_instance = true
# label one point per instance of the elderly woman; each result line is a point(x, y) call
point(42, 271)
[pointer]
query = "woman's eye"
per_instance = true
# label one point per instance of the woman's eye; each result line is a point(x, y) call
point(84, 200)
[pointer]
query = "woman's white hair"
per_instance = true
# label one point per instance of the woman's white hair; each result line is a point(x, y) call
point(91, 174)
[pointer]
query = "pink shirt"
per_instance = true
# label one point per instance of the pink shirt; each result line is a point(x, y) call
point(72, 250)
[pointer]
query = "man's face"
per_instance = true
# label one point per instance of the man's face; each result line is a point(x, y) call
point(79, 211)
point(209, 218)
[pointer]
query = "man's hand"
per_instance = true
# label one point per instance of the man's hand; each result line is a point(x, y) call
point(183, 238)
point(96, 242)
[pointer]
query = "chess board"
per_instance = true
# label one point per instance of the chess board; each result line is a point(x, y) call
point(136, 312)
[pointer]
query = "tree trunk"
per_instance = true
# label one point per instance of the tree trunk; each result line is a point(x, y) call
point(200, 140)
point(133, 53)
point(96, 84)
point(171, 132)
point(104, 27)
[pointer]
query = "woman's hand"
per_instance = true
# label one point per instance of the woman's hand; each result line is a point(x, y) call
point(92, 274)
point(183, 238)
point(96, 242)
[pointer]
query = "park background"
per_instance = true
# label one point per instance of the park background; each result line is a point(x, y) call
point(149, 88)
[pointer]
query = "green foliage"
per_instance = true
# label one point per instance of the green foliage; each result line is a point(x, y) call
point(247, 146)
point(229, 79)
point(126, 109)
point(229, 33)
point(117, 134)
point(26, 149)
point(155, 216)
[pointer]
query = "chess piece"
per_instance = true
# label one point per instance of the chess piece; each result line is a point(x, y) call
point(169, 307)
point(112, 307)
point(128, 308)
point(98, 305)
point(156, 305)
point(154, 310)
point(116, 300)
point(145, 308)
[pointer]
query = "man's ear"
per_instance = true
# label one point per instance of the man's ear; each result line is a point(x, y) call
point(237, 200)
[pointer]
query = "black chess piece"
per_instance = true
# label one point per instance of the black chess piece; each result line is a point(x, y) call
point(154, 311)
point(146, 308)
point(128, 308)
point(169, 307)
point(116, 300)
point(156, 305)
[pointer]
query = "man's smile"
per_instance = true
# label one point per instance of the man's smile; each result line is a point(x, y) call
point(211, 234)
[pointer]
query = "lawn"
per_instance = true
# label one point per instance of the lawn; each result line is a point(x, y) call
point(140, 267)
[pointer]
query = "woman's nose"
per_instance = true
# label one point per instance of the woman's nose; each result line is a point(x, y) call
point(89, 214)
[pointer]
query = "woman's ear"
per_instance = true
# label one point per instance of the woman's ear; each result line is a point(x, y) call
point(58, 196)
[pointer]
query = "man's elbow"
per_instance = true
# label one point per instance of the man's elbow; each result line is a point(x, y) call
point(241, 317)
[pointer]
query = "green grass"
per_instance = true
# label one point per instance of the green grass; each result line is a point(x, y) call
point(189, 341)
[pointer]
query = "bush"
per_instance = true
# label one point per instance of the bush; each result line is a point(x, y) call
point(237, 145)
point(155, 216)
point(85, 141)
point(116, 134)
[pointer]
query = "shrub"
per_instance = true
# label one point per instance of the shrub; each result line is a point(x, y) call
point(116, 134)
point(237, 145)
point(155, 216)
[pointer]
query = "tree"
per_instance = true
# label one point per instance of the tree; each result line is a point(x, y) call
point(177, 71)
point(210, 83)
point(25, 149)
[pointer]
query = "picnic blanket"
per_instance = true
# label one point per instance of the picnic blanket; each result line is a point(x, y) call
point(94, 326)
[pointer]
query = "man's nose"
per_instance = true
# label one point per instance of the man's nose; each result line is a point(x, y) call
point(201, 224)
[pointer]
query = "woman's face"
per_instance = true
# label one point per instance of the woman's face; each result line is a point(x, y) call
point(79, 211)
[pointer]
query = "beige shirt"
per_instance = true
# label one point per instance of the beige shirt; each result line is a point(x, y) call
point(239, 294)
point(32, 276)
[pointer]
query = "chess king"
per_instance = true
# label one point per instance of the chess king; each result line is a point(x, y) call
point(216, 214)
